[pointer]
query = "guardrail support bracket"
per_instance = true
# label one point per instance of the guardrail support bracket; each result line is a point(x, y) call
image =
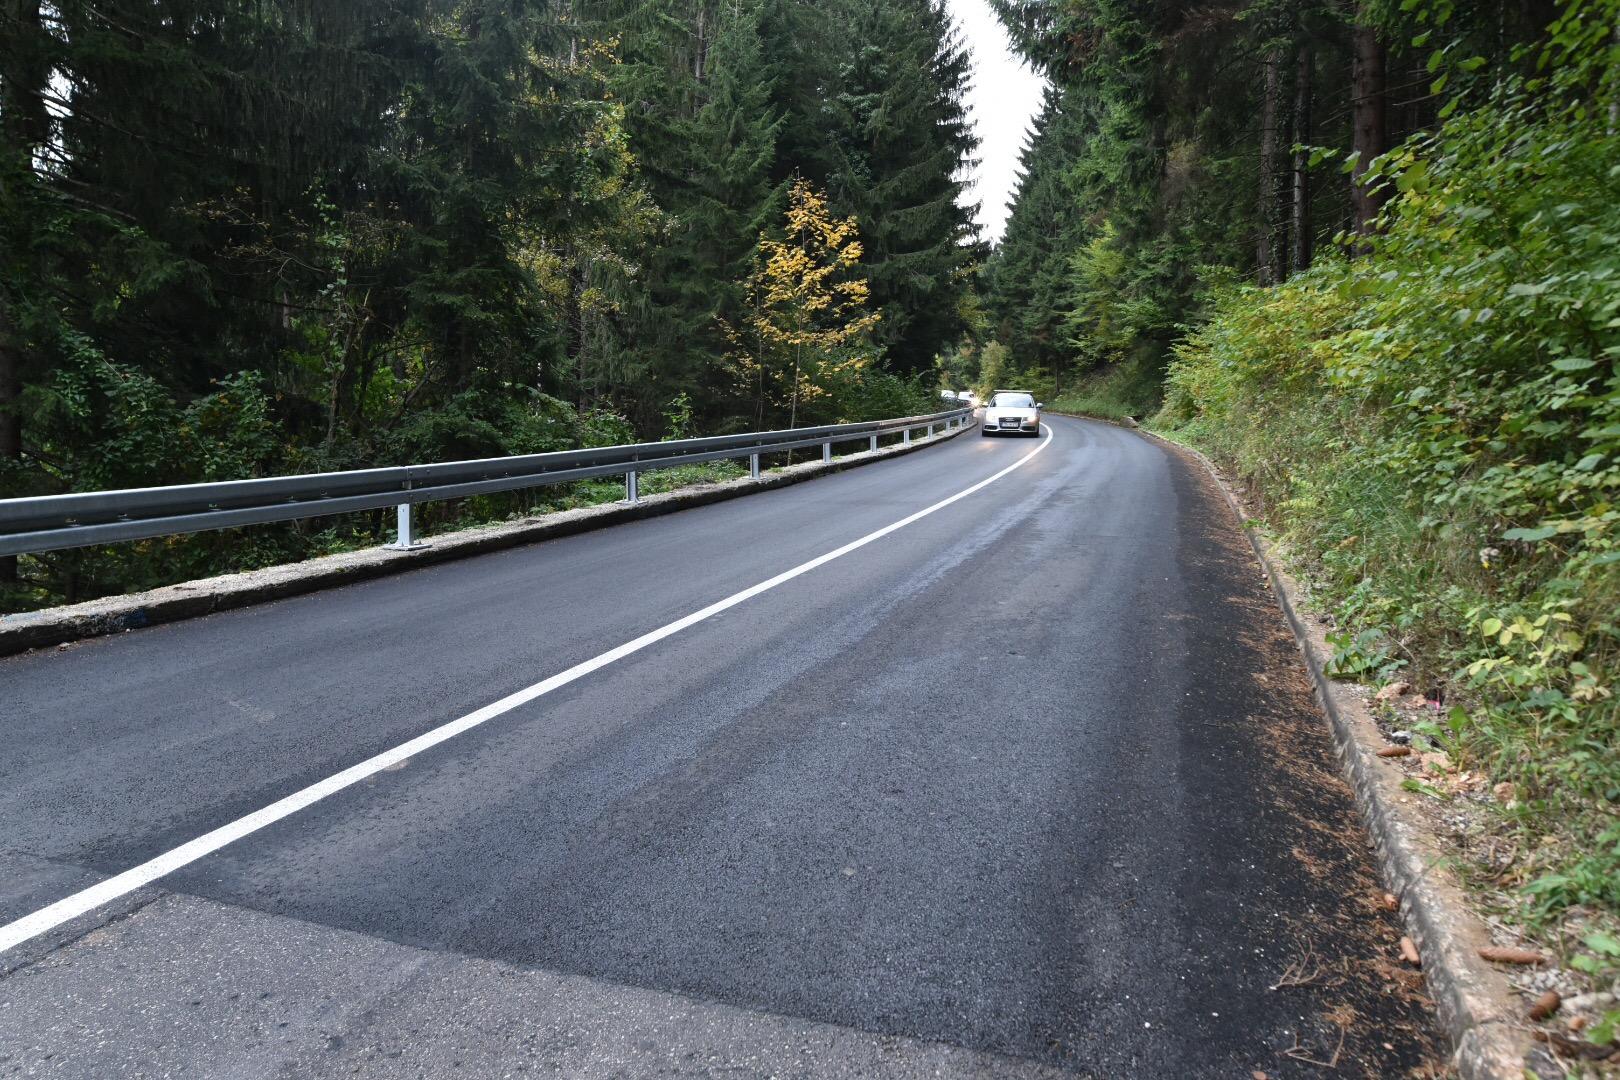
point(905, 438)
point(753, 466)
point(826, 452)
point(871, 443)
point(632, 488)
point(405, 540)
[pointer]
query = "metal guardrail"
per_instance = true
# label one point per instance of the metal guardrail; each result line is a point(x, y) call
point(54, 522)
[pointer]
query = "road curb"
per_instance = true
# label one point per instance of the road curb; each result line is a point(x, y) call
point(188, 600)
point(1476, 1007)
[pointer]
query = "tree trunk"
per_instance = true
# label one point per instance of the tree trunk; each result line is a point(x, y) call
point(702, 46)
point(11, 443)
point(578, 278)
point(1266, 217)
point(24, 126)
point(1614, 102)
point(1369, 123)
point(1300, 227)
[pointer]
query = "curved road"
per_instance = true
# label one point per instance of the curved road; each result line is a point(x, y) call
point(1032, 786)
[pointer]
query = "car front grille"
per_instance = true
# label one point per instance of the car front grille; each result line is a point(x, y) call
point(1009, 421)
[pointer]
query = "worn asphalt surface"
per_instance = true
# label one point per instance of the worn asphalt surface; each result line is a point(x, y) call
point(1031, 787)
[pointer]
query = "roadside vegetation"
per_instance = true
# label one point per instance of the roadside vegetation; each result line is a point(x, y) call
point(1433, 428)
point(1369, 261)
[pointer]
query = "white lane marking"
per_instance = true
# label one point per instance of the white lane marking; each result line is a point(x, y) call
point(80, 903)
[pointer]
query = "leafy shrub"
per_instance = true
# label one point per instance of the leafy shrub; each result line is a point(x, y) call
point(102, 424)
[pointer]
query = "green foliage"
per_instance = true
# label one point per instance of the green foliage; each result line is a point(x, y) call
point(476, 424)
point(878, 394)
point(678, 417)
point(712, 472)
point(1365, 655)
point(119, 427)
point(240, 238)
point(1139, 170)
point(1131, 388)
point(1435, 430)
point(995, 369)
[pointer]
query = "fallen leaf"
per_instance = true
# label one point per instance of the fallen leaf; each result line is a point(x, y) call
point(1435, 762)
point(1390, 903)
point(1465, 782)
point(1545, 1005)
point(1395, 751)
point(1393, 690)
point(1507, 954)
point(1576, 1023)
point(1259, 1075)
point(1409, 952)
point(1504, 792)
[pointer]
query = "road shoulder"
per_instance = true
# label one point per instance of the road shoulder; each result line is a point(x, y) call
point(1475, 1004)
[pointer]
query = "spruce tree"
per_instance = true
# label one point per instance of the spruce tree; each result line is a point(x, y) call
point(899, 146)
point(700, 115)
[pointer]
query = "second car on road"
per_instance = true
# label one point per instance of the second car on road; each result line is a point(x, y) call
point(1011, 412)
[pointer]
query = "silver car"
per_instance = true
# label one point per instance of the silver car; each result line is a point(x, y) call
point(1011, 412)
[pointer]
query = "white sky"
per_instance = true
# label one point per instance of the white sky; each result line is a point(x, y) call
point(1005, 97)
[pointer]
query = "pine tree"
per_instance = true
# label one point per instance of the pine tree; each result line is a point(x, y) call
point(1025, 280)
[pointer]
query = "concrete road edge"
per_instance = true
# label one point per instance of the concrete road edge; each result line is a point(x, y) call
point(191, 599)
point(1477, 1009)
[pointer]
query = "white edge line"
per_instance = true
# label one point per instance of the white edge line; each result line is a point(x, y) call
point(87, 900)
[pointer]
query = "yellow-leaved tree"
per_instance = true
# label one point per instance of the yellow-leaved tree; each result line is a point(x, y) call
point(806, 323)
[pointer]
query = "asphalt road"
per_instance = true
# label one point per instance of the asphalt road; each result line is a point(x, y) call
point(1030, 787)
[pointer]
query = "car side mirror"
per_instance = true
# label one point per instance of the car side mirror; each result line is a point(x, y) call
point(1040, 404)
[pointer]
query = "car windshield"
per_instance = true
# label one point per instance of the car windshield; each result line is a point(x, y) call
point(1013, 401)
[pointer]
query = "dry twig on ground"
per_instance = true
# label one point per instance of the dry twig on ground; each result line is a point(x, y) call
point(1297, 1052)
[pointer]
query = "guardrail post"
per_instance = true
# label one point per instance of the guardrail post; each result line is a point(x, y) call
point(930, 431)
point(826, 452)
point(753, 466)
point(905, 437)
point(404, 540)
point(632, 488)
point(871, 443)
